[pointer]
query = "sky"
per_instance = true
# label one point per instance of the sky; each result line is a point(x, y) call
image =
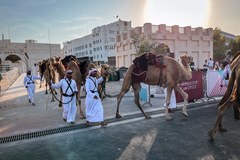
point(66, 20)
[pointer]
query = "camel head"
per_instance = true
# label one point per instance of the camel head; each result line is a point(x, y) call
point(55, 62)
point(105, 70)
point(185, 60)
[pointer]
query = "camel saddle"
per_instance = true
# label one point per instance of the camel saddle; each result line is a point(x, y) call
point(141, 64)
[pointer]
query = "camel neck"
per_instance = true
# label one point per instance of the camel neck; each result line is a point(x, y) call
point(61, 70)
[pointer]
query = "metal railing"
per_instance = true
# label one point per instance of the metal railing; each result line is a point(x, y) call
point(4, 68)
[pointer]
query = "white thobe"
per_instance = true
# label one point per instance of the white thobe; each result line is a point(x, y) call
point(29, 82)
point(35, 70)
point(227, 70)
point(173, 103)
point(94, 108)
point(69, 109)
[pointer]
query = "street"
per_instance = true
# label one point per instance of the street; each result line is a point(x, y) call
point(137, 138)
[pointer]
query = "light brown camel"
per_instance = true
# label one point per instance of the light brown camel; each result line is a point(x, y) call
point(104, 72)
point(170, 74)
point(230, 98)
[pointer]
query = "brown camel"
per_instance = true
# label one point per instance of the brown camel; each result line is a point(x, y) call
point(166, 72)
point(230, 98)
point(47, 70)
point(77, 76)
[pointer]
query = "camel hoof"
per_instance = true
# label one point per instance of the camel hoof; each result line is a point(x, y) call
point(222, 130)
point(82, 116)
point(52, 100)
point(60, 105)
point(210, 134)
point(46, 93)
point(148, 117)
point(118, 115)
point(168, 118)
point(185, 114)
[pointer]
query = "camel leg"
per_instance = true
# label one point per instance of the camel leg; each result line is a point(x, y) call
point(185, 97)
point(82, 116)
point(40, 84)
point(169, 92)
point(137, 88)
point(119, 98)
point(52, 98)
point(60, 103)
point(46, 92)
point(127, 81)
point(218, 122)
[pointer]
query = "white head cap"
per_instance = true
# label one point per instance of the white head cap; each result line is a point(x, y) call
point(69, 72)
point(92, 70)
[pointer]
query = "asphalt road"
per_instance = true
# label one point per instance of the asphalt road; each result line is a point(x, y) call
point(137, 138)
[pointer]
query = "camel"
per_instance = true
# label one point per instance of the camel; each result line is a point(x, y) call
point(230, 98)
point(105, 70)
point(166, 72)
point(77, 76)
point(80, 72)
point(47, 70)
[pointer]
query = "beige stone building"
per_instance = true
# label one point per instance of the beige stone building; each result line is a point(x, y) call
point(24, 55)
point(196, 42)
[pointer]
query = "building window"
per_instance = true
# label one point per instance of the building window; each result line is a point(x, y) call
point(85, 45)
point(86, 52)
point(90, 45)
point(90, 51)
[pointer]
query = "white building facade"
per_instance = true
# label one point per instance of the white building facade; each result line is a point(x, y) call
point(24, 55)
point(195, 42)
point(99, 45)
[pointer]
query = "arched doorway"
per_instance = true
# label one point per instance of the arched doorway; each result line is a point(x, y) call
point(13, 58)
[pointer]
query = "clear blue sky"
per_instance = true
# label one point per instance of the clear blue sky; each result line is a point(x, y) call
point(70, 19)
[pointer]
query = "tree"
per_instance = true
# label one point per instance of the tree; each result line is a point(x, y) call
point(219, 47)
point(144, 43)
point(234, 46)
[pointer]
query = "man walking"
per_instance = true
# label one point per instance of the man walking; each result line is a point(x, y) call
point(94, 108)
point(30, 85)
point(69, 88)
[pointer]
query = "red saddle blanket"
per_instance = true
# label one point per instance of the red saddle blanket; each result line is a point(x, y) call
point(141, 64)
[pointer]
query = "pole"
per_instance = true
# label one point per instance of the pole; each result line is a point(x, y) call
point(49, 43)
point(49, 59)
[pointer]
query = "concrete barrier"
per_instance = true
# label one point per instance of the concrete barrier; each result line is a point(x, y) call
point(8, 78)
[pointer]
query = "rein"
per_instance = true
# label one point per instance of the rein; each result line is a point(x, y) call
point(54, 94)
point(61, 95)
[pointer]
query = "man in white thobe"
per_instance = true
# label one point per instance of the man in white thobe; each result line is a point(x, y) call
point(35, 70)
point(94, 108)
point(225, 76)
point(30, 85)
point(69, 88)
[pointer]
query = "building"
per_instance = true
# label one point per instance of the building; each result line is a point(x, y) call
point(195, 42)
point(24, 55)
point(99, 45)
point(228, 37)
